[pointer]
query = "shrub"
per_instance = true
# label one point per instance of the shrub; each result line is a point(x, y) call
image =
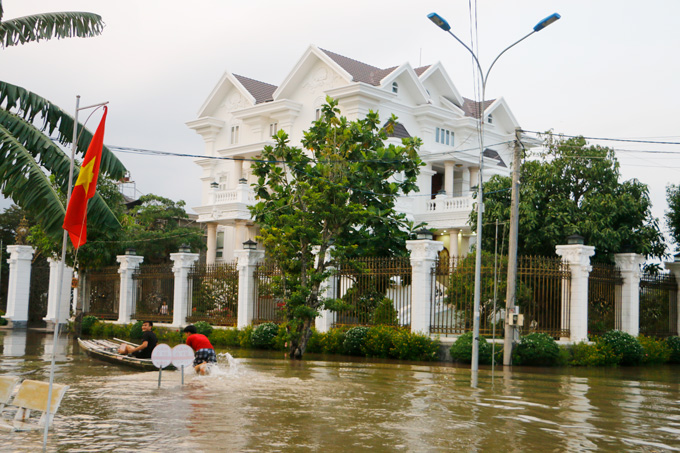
point(536, 349)
point(385, 313)
point(624, 345)
point(169, 335)
point(87, 323)
point(136, 330)
point(655, 351)
point(379, 341)
point(3, 321)
point(461, 350)
point(314, 344)
point(354, 340)
point(204, 328)
point(245, 337)
point(597, 354)
point(332, 341)
point(263, 335)
point(674, 345)
point(281, 337)
point(224, 337)
point(414, 346)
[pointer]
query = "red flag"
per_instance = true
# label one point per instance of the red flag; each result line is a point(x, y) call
point(75, 221)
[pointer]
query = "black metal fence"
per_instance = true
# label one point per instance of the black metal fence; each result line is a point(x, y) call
point(39, 292)
point(604, 298)
point(268, 307)
point(101, 293)
point(155, 287)
point(658, 304)
point(213, 294)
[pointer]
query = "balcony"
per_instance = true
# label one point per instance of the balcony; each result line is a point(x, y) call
point(441, 213)
point(227, 206)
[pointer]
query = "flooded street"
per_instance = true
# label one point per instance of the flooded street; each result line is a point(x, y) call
point(271, 404)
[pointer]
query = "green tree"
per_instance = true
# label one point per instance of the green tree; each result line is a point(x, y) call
point(570, 188)
point(340, 191)
point(27, 153)
point(673, 213)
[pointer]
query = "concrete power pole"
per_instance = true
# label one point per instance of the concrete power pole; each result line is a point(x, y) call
point(511, 330)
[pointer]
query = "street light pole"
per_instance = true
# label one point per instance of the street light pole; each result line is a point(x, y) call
point(444, 25)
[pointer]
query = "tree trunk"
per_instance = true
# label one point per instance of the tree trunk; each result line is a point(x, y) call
point(297, 349)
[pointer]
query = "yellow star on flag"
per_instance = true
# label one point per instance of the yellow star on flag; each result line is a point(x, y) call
point(86, 175)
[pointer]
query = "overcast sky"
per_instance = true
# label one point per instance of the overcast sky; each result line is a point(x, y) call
point(606, 69)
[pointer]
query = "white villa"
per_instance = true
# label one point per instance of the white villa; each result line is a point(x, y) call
point(241, 114)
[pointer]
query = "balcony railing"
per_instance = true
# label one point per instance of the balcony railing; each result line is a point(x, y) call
point(449, 204)
point(242, 194)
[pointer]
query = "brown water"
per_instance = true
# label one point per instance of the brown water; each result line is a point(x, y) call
point(271, 404)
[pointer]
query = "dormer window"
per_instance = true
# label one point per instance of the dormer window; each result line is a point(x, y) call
point(273, 129)
point(489, 119)
point(395, 87)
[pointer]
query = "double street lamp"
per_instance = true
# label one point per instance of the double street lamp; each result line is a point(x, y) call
point(444, 25)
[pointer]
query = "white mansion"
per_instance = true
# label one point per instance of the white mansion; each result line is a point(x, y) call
point(241, 114)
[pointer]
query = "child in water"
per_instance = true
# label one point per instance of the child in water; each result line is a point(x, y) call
point(204, 353)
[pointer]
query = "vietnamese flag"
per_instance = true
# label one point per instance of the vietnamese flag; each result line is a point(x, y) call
point(75, 221)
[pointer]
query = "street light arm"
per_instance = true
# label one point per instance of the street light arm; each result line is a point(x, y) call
point(486, 76)
point(479, 66)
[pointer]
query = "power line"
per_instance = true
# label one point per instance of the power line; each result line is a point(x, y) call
point(627, 140)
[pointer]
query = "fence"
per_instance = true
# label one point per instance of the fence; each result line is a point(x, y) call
point(658, 304)
point(155, 286)
point(101, 293)
point(39, 292)
point(213, 294)
point(268, 307)
point(604, 298)
point(542, 295)
point(377, 290)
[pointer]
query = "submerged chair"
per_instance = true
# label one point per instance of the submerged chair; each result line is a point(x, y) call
point(32, 396)
point(7, 384)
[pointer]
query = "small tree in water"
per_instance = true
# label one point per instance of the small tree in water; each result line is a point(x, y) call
point(340, 191)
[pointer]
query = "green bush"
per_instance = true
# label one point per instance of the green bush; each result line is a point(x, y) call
point(171, 336)
point(315, 343)
point(203, 328)
point(354, 340)
point(655, 351)
point(263, 335)
point(461, 350)
point(385, 313)
point(379, 341)
point(245, 337)
point(598, 353)
point(136, 330)
point(536, 349)
point(674, 345)
point(413, 346)
point(624, 345)
point(225, 337)
point(3, 321)
point(332, 341)
point(87, 323)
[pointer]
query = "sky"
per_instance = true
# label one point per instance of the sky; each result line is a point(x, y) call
point(607, 69)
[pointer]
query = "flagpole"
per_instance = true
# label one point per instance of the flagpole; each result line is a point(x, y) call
point(62, 264)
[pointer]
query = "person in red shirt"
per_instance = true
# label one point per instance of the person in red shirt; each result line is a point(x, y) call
point(204, 353)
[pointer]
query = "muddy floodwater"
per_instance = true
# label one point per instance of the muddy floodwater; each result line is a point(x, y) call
point(267, 404)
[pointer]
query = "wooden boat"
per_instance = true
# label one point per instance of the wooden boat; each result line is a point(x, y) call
point(107, 351)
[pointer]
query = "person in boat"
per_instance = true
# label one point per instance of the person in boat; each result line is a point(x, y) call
point(149, 341)
point(204, 353)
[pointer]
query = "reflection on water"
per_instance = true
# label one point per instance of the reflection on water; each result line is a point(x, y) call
point(271, 404)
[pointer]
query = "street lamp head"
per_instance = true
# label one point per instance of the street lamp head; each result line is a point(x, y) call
point(547, 21)
point(440, 22)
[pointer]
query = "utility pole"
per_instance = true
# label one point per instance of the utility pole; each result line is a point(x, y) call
point(511, 330)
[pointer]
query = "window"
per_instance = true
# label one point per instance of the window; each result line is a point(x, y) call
point(317, 114)
point(273, 129)
point(395, 87)
point(234, 135)
point(223, 182)
point(489, 119)
point(443, 136)
point(436, 135)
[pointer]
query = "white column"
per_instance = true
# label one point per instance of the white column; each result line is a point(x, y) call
point(324, 322)
point(453, 242)
point(19, 285)
point(180, 305)
point(211, 253)
point(474, 175)
point(65, 304)
point(128, 265)
point(629, 264)
point(465, 182)
point(578, 258)
point(674, 267)
point(246, 262)
point(448, 177)
point(464, 244)
point(423, 257)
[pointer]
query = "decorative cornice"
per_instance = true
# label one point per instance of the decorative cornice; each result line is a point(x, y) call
point(129, 262)
point(424, 250)
point(183, 260)
point(629, 263)
point(576, 255)
point(20, 252)
point(248, 258)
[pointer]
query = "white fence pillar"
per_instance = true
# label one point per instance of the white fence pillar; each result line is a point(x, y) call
point(328, 290)
point(19, 285)
point(578, 258)
point(64, 306)
point(423, 258)
point(246, 263)
point(183, 262)
point(629, 264)
point(128, 265)
point(674, 268)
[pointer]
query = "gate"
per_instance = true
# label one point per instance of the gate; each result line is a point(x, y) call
point(101, 294)
point(155, 288)
point(658, 304)
point(604, 299)
point(39, 292)
point(268, 307)
point(214, 294)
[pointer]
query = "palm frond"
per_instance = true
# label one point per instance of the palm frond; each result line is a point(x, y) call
point(49, 25)
point(31, 106)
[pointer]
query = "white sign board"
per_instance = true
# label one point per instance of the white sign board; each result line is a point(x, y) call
point(161, 356)
point(182, 355)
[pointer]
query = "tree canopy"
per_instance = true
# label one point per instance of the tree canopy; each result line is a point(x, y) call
point(570, 187)
point(673, 213)
point(339, 191)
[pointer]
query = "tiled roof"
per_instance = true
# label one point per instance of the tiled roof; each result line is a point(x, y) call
point(399, 130)
point(471, 108)
point(262, 92)
point(360, 72)
point(419, 71)
point(493, 154)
